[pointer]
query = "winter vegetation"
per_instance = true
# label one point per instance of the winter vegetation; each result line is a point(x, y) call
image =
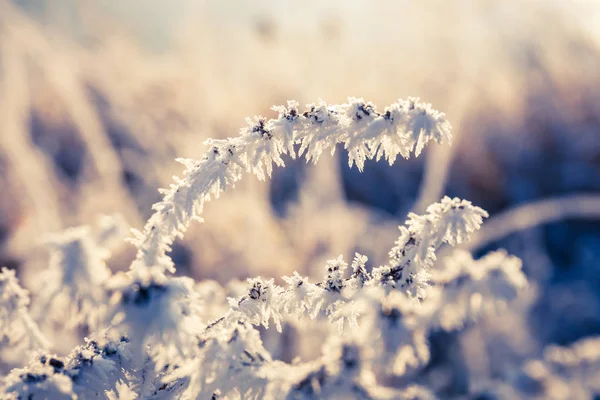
point(371, 252)
point(155, 335)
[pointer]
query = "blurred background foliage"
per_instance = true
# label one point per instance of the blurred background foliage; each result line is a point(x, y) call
point(97, 99)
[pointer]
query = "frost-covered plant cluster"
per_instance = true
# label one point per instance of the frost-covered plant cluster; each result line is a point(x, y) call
point(155, 335)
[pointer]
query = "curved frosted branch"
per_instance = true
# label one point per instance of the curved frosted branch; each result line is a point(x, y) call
point(401, 129)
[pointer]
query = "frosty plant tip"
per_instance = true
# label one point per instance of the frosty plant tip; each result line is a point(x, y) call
point(166, 337)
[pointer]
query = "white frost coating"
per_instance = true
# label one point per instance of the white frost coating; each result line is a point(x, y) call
point(162, 313)
point(299, 297)
point(453, 220)
point(396, 330)
point(17, 328)
point(360, 276)
point(465, 288)
point(100, 365)
point(121, 392)
point(233, 363)
point(73, 284)
point(258, 305)
point(402, 128)
point(38, 380)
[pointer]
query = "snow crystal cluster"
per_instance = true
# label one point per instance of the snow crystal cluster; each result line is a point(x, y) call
point(153, 335)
